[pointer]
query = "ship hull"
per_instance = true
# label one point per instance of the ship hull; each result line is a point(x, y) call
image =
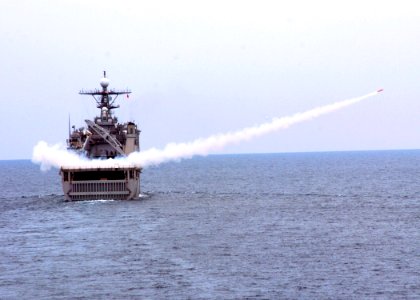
point(101, 183)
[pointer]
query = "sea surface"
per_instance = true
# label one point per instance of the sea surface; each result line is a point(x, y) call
point(339, 225)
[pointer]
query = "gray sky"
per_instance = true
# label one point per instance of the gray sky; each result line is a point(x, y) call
point(202, 67)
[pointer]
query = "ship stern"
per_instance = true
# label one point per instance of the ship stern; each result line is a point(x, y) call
point(120, 183)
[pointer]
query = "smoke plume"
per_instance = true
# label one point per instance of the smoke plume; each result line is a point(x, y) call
point(57, 156)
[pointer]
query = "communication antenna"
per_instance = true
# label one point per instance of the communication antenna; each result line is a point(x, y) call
point(69, 126)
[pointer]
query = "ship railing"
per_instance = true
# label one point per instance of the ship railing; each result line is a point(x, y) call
point(95, 189)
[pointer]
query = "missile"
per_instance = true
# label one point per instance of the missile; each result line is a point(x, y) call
point(380, 90)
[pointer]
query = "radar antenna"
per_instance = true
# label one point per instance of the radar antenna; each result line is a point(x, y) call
point(102, 97)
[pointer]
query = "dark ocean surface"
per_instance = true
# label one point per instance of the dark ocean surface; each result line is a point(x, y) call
point(340, 225)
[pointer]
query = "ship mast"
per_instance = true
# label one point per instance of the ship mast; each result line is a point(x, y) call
point(103, 98)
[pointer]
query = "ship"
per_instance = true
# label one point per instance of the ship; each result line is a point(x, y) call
point(103, 138)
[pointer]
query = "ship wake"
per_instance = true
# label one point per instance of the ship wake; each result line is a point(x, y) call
point(48, 156)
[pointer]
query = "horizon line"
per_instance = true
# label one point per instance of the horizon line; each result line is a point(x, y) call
point(285, 152)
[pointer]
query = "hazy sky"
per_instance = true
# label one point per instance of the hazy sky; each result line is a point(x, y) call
point(202, 67)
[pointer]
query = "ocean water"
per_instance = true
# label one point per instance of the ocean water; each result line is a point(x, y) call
point(341, 225)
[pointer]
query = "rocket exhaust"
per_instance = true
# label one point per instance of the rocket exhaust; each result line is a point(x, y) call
point(56, 156)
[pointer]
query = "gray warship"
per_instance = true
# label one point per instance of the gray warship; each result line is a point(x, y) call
point(103, 138)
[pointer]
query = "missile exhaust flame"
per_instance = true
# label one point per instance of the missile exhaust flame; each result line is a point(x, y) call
point(57, 156)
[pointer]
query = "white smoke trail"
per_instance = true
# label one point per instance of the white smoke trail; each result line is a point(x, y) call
point(56, 156)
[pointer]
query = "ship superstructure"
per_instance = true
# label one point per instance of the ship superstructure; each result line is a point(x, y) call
point(103, 138)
